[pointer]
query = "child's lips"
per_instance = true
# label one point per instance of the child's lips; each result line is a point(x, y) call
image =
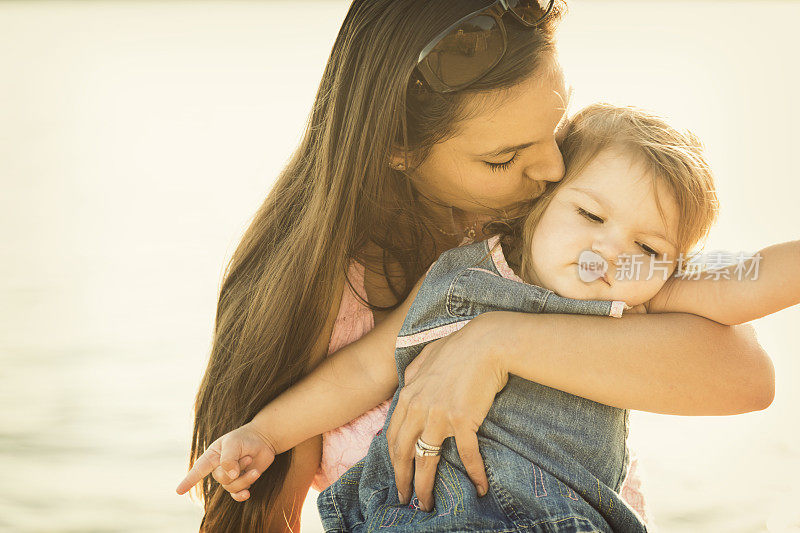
point(604, 278)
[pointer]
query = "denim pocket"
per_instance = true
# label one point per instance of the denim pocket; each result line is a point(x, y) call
point(449, 490)
point(535, 500)
point(448, 495)
point(477, 290)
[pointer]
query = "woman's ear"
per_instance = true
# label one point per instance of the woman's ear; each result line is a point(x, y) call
point(400, 158)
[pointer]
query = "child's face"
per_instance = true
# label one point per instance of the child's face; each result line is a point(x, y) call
point(608, 210)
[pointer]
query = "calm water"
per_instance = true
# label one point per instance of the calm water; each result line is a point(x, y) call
point(136, 140)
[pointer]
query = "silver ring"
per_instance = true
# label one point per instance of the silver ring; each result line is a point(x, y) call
point(423, 449)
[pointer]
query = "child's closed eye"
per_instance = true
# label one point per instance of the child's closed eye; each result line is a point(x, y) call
point(588, 215)
point(648, 250)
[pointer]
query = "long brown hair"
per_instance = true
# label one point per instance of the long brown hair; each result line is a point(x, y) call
point(336, 195)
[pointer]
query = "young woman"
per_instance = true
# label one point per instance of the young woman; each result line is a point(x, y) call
point(401, 158)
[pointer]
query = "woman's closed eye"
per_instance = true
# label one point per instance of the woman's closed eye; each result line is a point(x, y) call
point(499, 167)
point(594, 218)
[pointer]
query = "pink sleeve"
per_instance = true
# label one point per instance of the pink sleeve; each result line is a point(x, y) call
point(346, 445)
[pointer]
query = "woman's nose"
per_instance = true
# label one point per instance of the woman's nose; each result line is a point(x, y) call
point(549, 167)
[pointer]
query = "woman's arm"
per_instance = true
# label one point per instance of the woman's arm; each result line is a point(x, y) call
point(737, 293)
point(669, 363)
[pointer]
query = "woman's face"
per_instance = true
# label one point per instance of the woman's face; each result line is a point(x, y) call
point(504, 151)
point(606, 221)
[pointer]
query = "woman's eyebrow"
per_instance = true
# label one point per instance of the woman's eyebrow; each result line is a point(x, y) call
point(514, 148)
point(506, 149)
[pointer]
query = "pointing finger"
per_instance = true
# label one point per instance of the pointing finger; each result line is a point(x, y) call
point(204, 465)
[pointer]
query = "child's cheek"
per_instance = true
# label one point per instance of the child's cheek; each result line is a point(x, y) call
point(635, 292)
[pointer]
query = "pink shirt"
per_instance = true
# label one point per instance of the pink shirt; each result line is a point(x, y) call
point(344, 446)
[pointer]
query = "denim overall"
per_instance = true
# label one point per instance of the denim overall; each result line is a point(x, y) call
point(554, 461)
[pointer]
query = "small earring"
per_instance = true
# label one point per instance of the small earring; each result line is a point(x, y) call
point(398, 166)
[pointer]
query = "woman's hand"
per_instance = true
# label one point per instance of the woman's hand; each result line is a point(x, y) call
point(228, 456)
point(449, 389)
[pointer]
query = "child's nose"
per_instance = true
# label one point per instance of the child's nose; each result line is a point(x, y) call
point(609, 250)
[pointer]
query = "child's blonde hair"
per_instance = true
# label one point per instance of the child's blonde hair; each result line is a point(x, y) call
point(674, 157)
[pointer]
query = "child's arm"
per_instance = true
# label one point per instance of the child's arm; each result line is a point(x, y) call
point(735, 301)
point(356, 378)
point(346, 384)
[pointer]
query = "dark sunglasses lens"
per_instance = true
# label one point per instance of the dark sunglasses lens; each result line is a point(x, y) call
point(468, 52)
point(531, 11)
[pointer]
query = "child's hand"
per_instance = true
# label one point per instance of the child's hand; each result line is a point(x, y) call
point(637, 309)
point(228, 456)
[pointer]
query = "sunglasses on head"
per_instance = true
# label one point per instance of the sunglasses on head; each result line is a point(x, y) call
point(473, 45)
